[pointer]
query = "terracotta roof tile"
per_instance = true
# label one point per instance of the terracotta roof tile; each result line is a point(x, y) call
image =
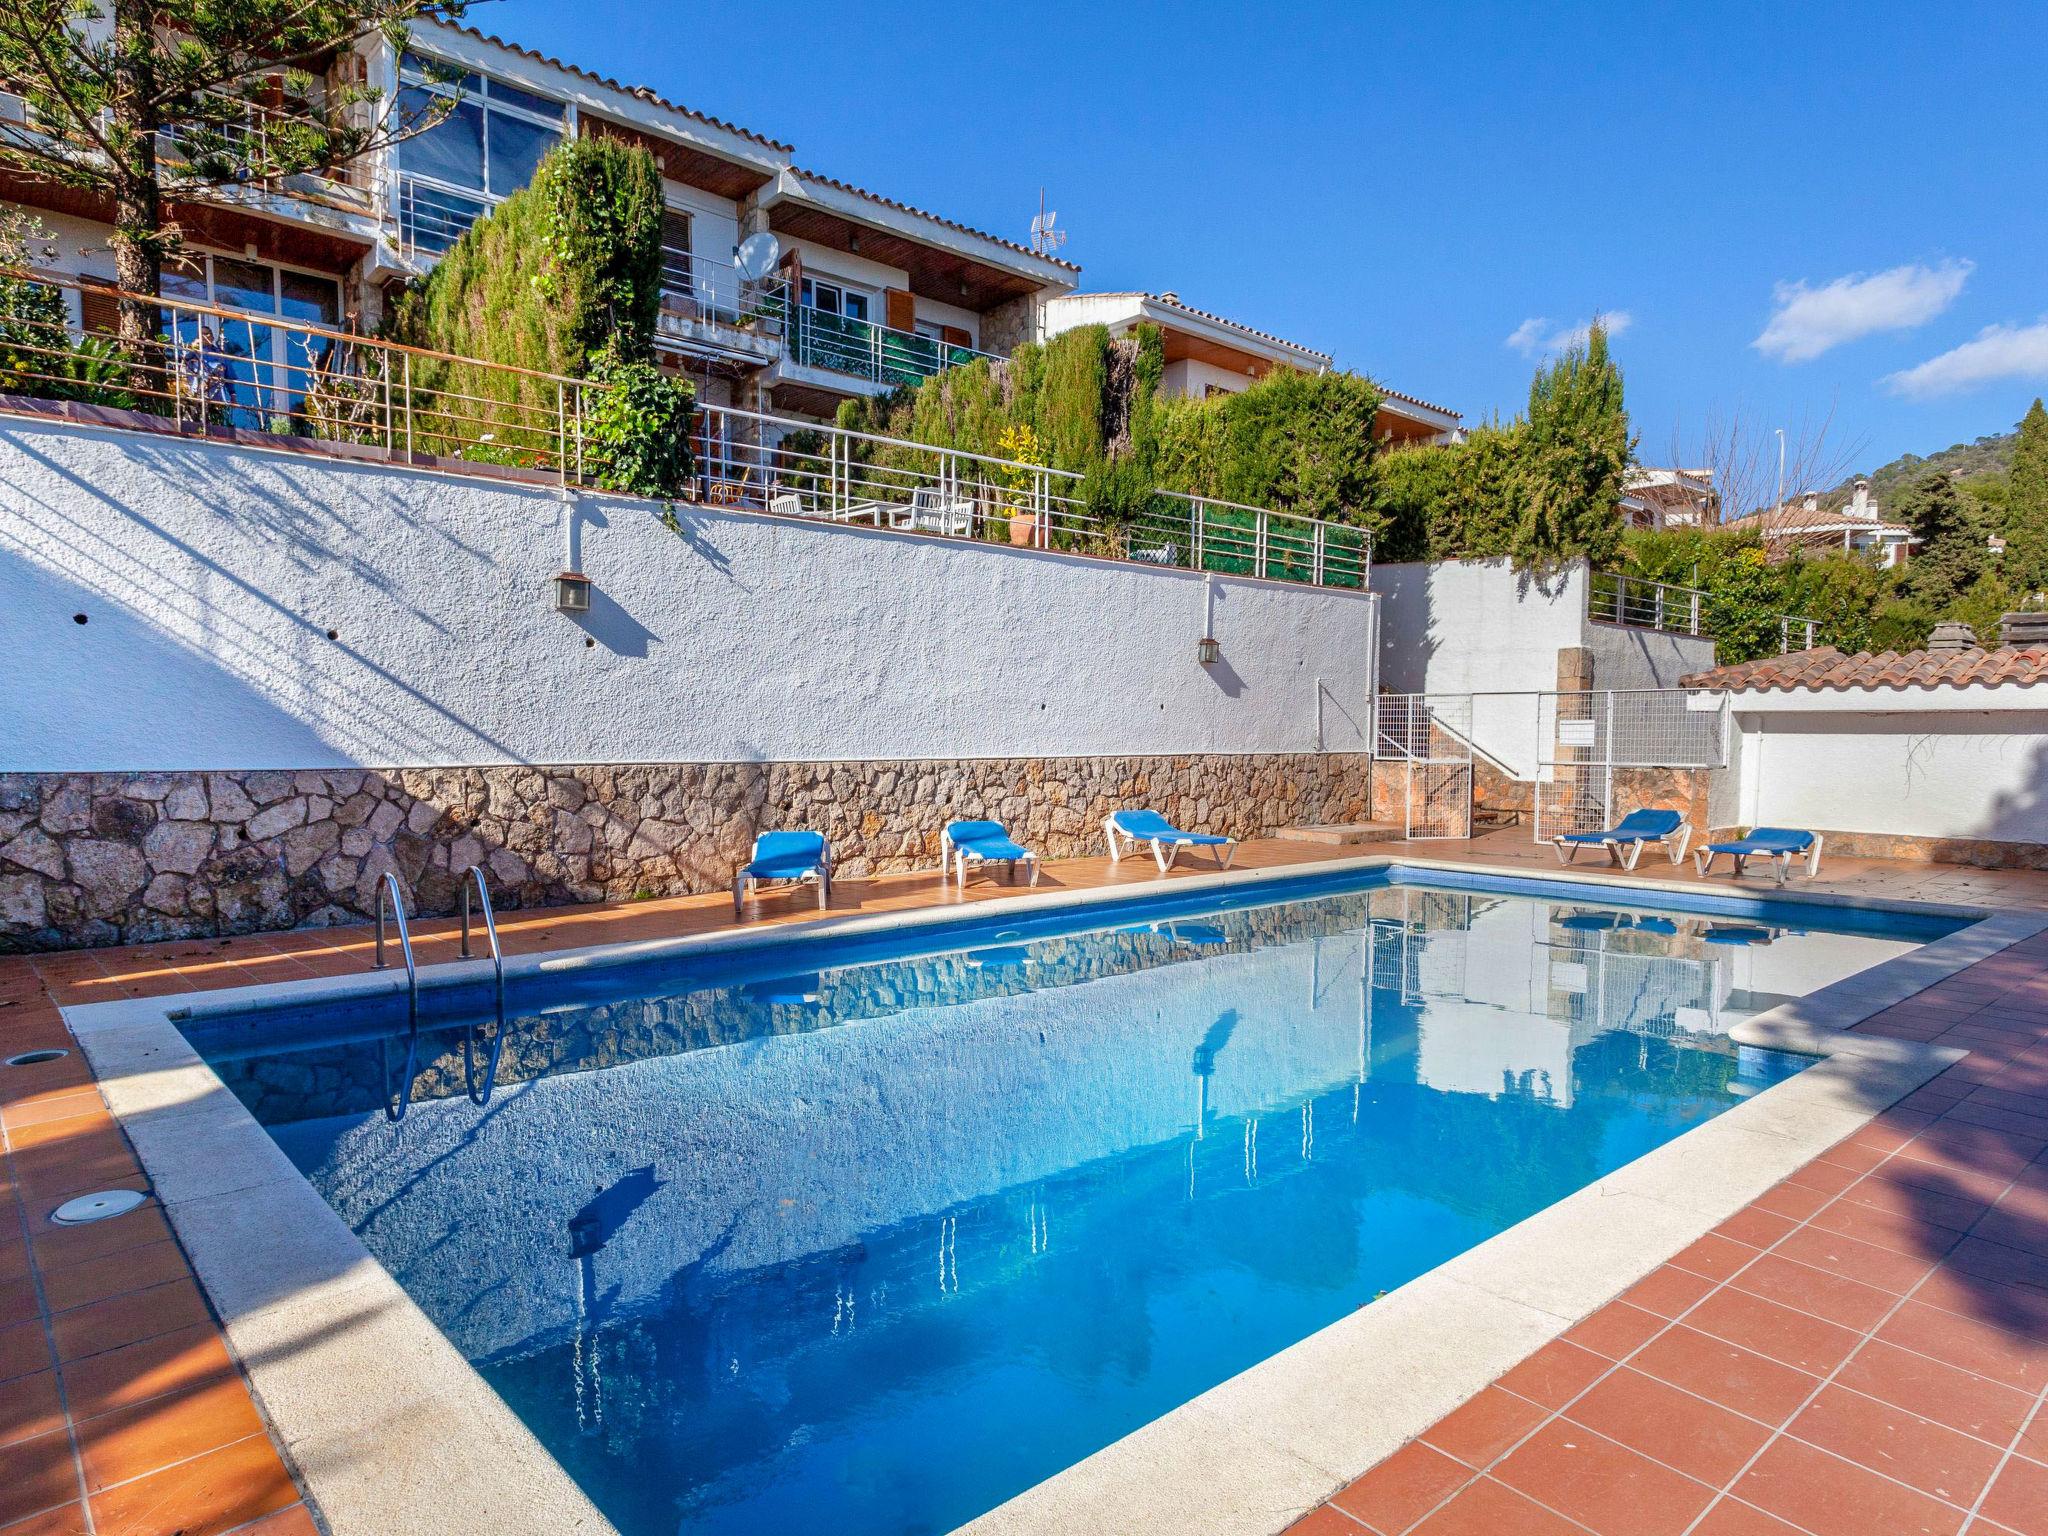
point(1797, 519)
point(965, 229)
point(645, 93)
point(1825, 668)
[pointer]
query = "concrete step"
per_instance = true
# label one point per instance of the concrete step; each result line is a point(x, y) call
point(1344, 833)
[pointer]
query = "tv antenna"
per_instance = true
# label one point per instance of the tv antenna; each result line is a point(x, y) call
point(1045, 237)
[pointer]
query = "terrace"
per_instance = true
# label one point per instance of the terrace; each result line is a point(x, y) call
point(1863, 1344)
point(222, 1358)
point(291, 385)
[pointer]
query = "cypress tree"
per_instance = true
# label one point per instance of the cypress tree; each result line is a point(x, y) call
point(1576, 449)
point(1951, 553)
point(2026, 506)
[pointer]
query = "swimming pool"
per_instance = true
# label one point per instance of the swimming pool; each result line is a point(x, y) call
point(882, 1230)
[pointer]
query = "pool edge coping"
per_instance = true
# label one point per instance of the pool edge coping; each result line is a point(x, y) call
point(337, 1353)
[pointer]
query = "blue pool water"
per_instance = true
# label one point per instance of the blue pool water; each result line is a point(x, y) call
point(859, 1238)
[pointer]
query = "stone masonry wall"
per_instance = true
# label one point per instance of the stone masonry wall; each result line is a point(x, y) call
point(92, 859)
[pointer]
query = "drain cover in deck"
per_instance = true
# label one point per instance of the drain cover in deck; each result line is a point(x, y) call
point(96, 1207)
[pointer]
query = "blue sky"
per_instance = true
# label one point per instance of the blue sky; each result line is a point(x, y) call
point(1863, 188)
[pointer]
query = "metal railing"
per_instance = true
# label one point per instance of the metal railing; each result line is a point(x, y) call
point(699, 287)
point(1638, 603)
point(1430, 737)
point(775, 464)
point(1613, 598)
point(1205, 533)
point(431, 216)
point(1584, 738)
point(863, 349)
point(212, 367)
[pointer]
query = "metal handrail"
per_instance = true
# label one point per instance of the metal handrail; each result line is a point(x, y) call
point(311, 381)
point(389, 893)
point(473, 879)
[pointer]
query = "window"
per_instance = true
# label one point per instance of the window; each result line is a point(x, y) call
point(675, 253)
point(255, 370)
point(484, 150)
point(835, 299)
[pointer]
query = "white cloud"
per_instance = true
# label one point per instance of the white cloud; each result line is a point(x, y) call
point(1809, 321)
point(1537, 337)
point(1997, 352)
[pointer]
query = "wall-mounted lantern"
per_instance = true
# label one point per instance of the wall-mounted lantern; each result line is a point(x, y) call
point(1207, 651)
point(572, 592)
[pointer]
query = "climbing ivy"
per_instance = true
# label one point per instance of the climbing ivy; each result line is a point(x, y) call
point(567, 267)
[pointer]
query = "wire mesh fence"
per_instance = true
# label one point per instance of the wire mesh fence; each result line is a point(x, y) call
point(1429, 736)
point(1584, 738)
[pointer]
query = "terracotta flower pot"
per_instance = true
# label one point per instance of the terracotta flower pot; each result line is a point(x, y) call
point(1024, 528)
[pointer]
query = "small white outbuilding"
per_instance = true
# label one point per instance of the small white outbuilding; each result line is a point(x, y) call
point(1900, 754)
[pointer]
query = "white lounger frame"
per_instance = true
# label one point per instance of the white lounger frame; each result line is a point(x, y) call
point(1781, 863)
point(956, 859)
point(1164, 850)
point(821, 877)
point(1569, 851)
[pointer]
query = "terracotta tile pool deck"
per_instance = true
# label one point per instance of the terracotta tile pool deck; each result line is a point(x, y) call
point(1864, 1350)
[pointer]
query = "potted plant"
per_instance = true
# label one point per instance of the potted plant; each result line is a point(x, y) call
point(1020, 445)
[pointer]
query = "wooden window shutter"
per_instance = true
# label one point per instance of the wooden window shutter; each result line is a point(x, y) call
point(955, 336)
point(99, 311)
point(902, 310)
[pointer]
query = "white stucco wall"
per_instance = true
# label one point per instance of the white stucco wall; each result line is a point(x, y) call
point(1644, 658)
point(1925, 773)
point(1482, 627)
point(210, 577)
point(1192, 379)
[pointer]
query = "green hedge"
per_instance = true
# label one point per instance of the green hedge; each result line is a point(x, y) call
point(563, 271)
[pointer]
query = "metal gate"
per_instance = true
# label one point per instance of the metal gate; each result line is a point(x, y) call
point(1584, 739)
point(1430, 736)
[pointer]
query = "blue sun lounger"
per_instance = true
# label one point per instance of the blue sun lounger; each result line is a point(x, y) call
point(785, 858)
point(1166, 839)
point(982, 842)
point(1781, 845)
point(1626, 839)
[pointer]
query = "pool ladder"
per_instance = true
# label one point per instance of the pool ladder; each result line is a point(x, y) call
point(390, 898)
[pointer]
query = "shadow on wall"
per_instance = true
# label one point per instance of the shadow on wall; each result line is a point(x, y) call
point(187, 605)
point(90, 859)
point(1868, 770)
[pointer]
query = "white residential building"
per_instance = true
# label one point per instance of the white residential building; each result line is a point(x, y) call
point(865, 292)
point(1207, 354)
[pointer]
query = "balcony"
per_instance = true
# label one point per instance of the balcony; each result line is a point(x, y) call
point(710, 310)
point(874, 354)
point(432, 215)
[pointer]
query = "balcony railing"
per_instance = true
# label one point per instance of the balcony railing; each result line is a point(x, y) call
point(1636, 603)
point(432, 216)
point(699, 287)
point(862, 349)
point(312, 388)
point(1613, 598)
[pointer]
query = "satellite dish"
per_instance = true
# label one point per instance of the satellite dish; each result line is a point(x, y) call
point(757, 255)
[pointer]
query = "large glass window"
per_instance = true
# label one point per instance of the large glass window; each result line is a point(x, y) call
point(250, 372)
point(484, 150)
